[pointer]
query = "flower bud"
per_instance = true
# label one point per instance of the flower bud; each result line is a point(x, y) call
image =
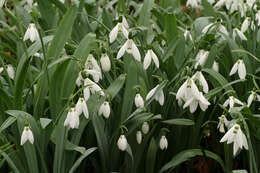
point(163, 143)
point(139, 137)
point(145, 128)
point(105, 62)
point(139, 102)
point(122, 143)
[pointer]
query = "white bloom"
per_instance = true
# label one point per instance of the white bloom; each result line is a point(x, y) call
point(222, 121)
point(158, 97)
point(163, 143)
point(145, 128)
point(240, 67)
point(193, 3)
point(1, 69)
point(187, 35)
point(222, 29)
point(245, 24)
point(122, 143)
point(231, 101)
point(104, 110)
point(72, 119)
point(208, 28)
point(236, 136)
point(239, 33)
point(211, 1)
point(79, 80)
point(105, 62)
point(250, 3)
point(29, 2)
point(81, 107)
point(195, 101)
point(31, 33)
point(201, 58)
point(257, 17)
point(125, 23)
point(10, 71)
point(139, 137)
point(199, 76)
point(130, 48)
point(2, 3)
point(119, 28)
point(139, 102)
point(62, 1)
point(27, 135)
point(92, 87)
point(150, 55)
point(215, 66)
point(92, 64)
point(253, 96)
point(96, 75)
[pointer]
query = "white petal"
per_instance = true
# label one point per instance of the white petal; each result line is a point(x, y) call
point(193, 106)
point(122, 50)
point(241, 70)
point(10, 71)
point(215, 66)
point(86, 93)
point(24, 136)
point(145, 128)
point(151, 93)
point(105, 62)
point(161, 97)
point(122, 143)
point(139, 137)
point(30, 136)
point(135, 52)
point(235, 148)
point(125, 32)
point(147, 60)
point(155, 59)
point(234, 69)
point(250, 99)
point(113, 34)
point(245, 25)
point(206, 28)
point(238, 101)
point(163, 143)
point(139, 102)
point(181, 91)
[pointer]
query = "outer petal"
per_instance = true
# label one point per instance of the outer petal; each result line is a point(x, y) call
point(151, 93)
point(155, 59)
point(135, 52)
point(113, 34)
point(122, 50)
point(250, 99)
point(235, 148)
point(147, 60)
point(238, 101)
point(125, 32)
point(181, 91)
point(234, 69)
point(24, 136)
point(86, 93)
point(241, 70)
point(161, 98)
point(193, 106)
point(226, 103)
point(106, 111)
point(30, 136)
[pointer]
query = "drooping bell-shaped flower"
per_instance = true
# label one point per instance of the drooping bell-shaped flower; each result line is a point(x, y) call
point(72, 119)
point(96, 75)
point(201, 58)
point(246, 23)
point(158, 97)
point(27, 135)
point(163, 143)
point(240, 67)
point(105, 62)
point(253, 96)
point(215, 66)
point(145, 128)
point(193, 103)
point(104, 110)
point(193, 3)
point(81, 107)
point(237, 32)
point(92, 87)
point(187, 35)
point(122, 143)
point(119, 28)
point(150, 55)
point(139, 102)
point(199, 76)
point(92, 68)
point(231, 101)
point(139, 137)
point(235, 135)
point(31, 33)
point(130, 48)
point(10, 71)
point(222, 122)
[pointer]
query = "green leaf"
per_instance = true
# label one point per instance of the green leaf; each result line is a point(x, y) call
point(145, 14)
point(45, 122)
point(185, 122)
point(171, 27)
point(116, 86)
point(179, 57)
point(10, 162)
point(9, 121)
point(47, 12)
point(151, 157)
point(187, 155)
point(239, 171)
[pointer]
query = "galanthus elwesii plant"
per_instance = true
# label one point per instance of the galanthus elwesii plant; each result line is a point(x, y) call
point(130, 86)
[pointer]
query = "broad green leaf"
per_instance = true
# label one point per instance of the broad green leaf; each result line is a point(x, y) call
point(185, 122)
point(171, 27)
point(10, 162)
point(48, 12)
point(9, 121)
point(45, 122)
point(144, 15)
point(116, 86)
point(150, 162)
point(239, 171)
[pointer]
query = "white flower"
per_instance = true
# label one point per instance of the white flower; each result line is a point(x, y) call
point(245, 24)
point(81, 107)
point(145, 128)
point(29, 2)
point(139, 137)
point(79, 80)
point(92, 67)
point(193, 3)
point(158, 97)
point(27, 135)
point(10, 71)
point(2, 3)
point(62, 1)
point(150, 55)
point(239, 33)
point(257, 17)
point(252, 96)
point(231, 101)
point(130, 48)
point(105, 62)
point(163, 143)
point(139, 102)
point(250, 3)
point(31, 33)
point(222, 121)
point(201, 58)
point(92, 87)
point(240, 67)
point(195, 101)
point(119, 28)
point(104, 110)
point(199, 76)
point(236, 136)
point(72, 119)
point(1, 69)
point(122, 143)
point(96, 75)
point(187, 35)
point(207, 28)
point(211, 1)
point(215, 66)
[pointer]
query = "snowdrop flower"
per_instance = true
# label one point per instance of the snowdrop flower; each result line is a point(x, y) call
point(92, 87)
point(105, 62)
point(199, 76)
point(130, 48)
point(96, 75)
point(252, 96)
point(81, 107)
point(92, 64)
point(219, 27)
point(158, 97)
point(139, 137)
point(1, 69)
point(201, 58)
point(29, 2)
point(104, 110)
point(187, 35)
point(139, 102)
point(10, 71)
point(193, 103)
point(222, 121)
point(2, 3)
point(240, 67)
point(122, 143)
point(150, 55)
point(231, 101)
point(211, 1)
point(250, 3)
point(193, 3)
point(79, 80)
point(246, 24)
point(31, 33)
point(145, 128)
point(236, 136)
point(119, 28)
point(207, 28)
point(27, 135)
point(215, 66)
point(163, 143)
point(239, 33)
point(72, 119)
